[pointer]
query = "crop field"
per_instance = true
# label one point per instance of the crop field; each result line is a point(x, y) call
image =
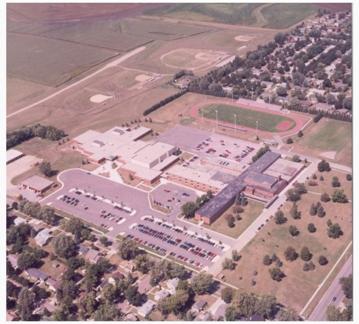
point(50, 62)
point(248, 118)
point(277, 16)
point(284, 15)
point(18, 91)
point(297, 286)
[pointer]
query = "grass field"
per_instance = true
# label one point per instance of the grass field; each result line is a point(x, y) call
point(298, 286)
point(332, 135)
point(245, 117)
point(251, 212)
point(327, 136)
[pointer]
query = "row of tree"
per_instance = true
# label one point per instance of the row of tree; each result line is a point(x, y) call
point(26, 133)
point(164, 102)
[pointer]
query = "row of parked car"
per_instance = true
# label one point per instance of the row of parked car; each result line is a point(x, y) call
point(155, 247)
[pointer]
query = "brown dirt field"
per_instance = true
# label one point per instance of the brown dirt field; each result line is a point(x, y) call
point(66, 110)
point(298, 286)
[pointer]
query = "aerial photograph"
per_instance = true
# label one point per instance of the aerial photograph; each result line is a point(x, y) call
point(179, 161)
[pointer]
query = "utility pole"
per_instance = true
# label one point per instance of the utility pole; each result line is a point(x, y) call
point(235, 123)
point(216, 120)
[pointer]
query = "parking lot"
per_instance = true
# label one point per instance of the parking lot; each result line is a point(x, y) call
point(124, 210)
point(169, 197)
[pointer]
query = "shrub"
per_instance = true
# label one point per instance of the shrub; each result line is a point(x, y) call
point(321, 211)
point(294, 212)
point(312, 183)
point(289, 140)
point(349, 177)
point(230, 220)
point(296, 158)
point(311, 228)
point(300, 134)
point(317, 117)
point(313, 209)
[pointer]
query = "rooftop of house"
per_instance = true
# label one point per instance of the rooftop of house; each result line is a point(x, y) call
point(38, 183)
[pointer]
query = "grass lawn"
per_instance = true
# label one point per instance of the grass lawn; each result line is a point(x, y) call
point(251, 212)
point(298, 286)
point(331, 135)
point(246, 117)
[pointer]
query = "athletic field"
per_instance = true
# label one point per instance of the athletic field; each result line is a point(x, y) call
point(269, 122)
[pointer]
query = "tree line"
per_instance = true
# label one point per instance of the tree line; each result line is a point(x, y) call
point(163, 102)
point(26, 133)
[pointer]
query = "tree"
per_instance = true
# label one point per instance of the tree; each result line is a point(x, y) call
point(176, 303)
point(349, 177)
point(228, 264)
point(321, 211)
point(104, 241)
point(26, 304)
point(235, 255)
point(308, 266)
point(279, 217)
point(276, 274)
point(189, 209)
point(339, 196)
point(227, 294)
point(347, 286)
point(287, 315)
point(128, 249)
point(335, 182)
point(323, 166)
point(267, 260)
point(324, 197)
point(202, 283)
point(260, 153)
point(78, 229)
point(45, 169)
point(143, 263)
point(313, 209)
point(305, 254)
point(64, 246)
point(27, 260)
point(335, 314)
point(296, 158)
point(293, 195)
point(334, 231)
point(232, 313)
point(290, 254)
point(311, 228)
point(88, 305)
point(294, 212)
point(293, 230)
point(280, 38)
point(281, 91)
point(230, 220)
point(322, 260)
point(133, 296)
point(107, 312)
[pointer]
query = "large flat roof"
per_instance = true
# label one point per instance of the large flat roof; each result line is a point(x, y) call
point(37, 182)
point(152, 152)
point(217, 203)
point(12, 154)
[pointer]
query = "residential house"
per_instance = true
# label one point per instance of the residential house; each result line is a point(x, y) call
point(146, 308)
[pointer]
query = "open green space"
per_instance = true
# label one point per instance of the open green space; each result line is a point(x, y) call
point(331, 135)
point(251, 211)
point(246, 117)
point(284, 15)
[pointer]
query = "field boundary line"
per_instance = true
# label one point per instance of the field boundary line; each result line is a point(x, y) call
point(325, 279)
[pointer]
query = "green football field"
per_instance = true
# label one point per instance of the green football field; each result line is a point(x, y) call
point(246, 117)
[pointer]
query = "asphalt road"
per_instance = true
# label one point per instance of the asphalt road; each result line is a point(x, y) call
point(334, 292)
